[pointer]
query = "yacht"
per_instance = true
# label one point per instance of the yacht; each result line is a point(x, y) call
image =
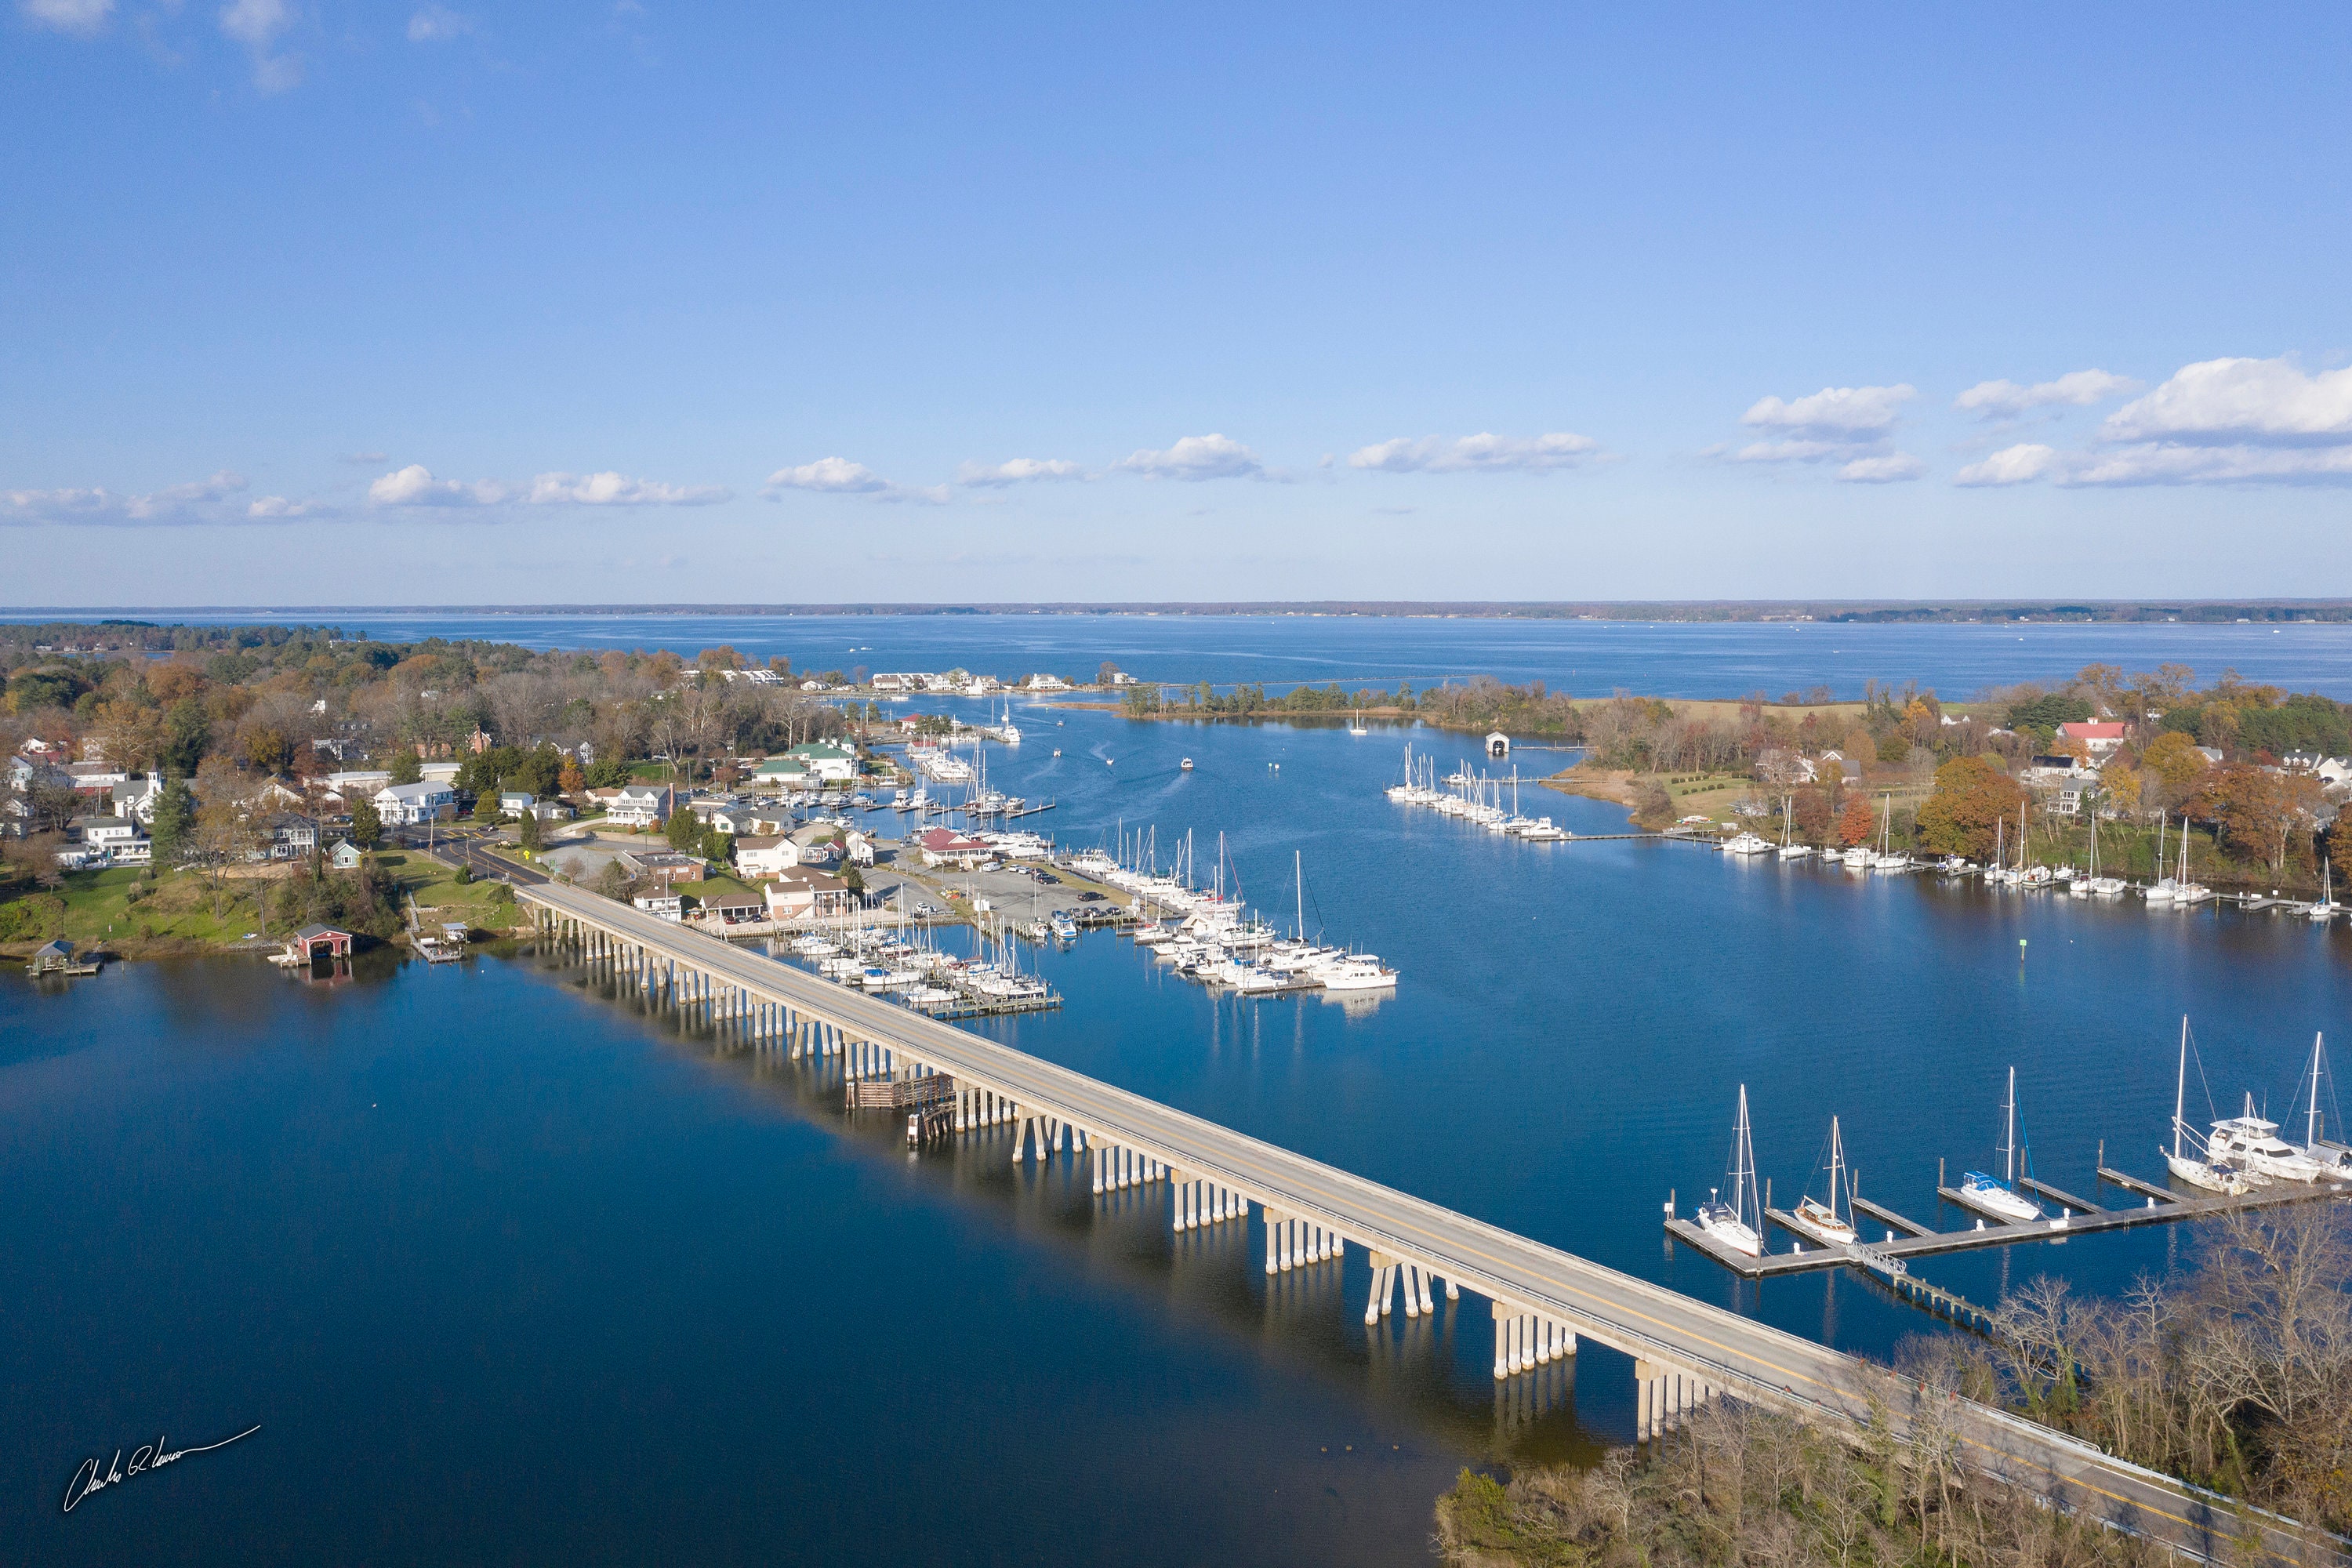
point(1735, 1224)
point(1822, 1221)
point(1542, 830)
point(1997, 1196)
point(1747, 843)
point(1356, 972)
point(2252, 1143)
point(1065, 928)
point(1186, 767)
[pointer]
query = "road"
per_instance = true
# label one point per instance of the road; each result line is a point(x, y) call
point(1736, 1353)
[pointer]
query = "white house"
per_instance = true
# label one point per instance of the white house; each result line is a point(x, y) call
point(412, 803)
point(116, 837)
point(758, 857)
point(664, 906)
point(137, 798)
point(513, 802)
point(825, 761)
point(438, 772)
point(636, 805)
point(1046, 683)
point(781, 774)
point(801, 894)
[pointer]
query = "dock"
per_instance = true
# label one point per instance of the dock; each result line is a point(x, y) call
point(1880, 1212)
point(2134, 1184)
point(2060, 1196)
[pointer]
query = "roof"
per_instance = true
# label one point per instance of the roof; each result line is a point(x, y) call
point(947, 838)
point(783, 764)
point(419, 791)
point(816, 881)
point(822, 750)
point(735, 901)
point(311, 933)
point(758, 841)
point(2082, 731)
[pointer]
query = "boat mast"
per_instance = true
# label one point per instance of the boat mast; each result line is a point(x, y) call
point(2311, 1126)
point(2181, 1086)
point(2011, 1147)
point(1743, 1168)
point(1837, 1167)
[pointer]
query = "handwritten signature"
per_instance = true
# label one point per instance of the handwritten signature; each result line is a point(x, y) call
point(94, 1477)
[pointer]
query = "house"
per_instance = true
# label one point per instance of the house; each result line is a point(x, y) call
point(781, 774)
point(858, 848)
point(733, 909)
point(641, 806)
point(663, 906)
point(292, 836)
point(279, 794)
point(805, 895)
point(551, 811)
point(2098, 739)
point(514, 802)
point(117, 838)
point(399, 804)
point(895, 682)
point(1046, 683)
point(438, 772)
point(669, 865)
point(825, 761)
point(304, 944)
point(945, 847)
point(356, 783)
point(345, 855)
point(2331, 772)
point(759, 856)
point(724, 815)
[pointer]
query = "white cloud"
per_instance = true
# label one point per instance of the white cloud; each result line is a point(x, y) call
point(834, 476)
point(437, 24)
point(1209, 457)
point(2174, 463)
point(174, 505)
point(1892, 469)
point(1483, 453)
point(618, 490)
point(2011, 466)
point(415, 486)
point(2006, 399)
point(68, 15)
point(257, 24)
point(1833, 412)
point(1018, 470)
point(273, 508)
point(2221, 401)
point(839, 475)
point(1796, 451)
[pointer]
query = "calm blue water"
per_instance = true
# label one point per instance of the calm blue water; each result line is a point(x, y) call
point(1587, 657)
point(510, 1271)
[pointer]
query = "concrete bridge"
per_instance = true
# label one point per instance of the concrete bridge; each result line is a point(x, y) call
point(1544, 1303)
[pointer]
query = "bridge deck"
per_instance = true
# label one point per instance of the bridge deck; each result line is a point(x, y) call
point(1731, 1352)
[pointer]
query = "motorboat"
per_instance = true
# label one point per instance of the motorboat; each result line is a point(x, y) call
point(2252, 1143)
point(1356, 972)
point(1997, 1197)
point(1065, 928)
point(1747, 843)
point(1824, 1221)
point(1186, 767)
point(1735, 1224)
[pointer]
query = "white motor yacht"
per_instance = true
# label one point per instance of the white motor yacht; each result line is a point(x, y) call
point(1747, 843)
point(2252, 1143)
point(1356, 972)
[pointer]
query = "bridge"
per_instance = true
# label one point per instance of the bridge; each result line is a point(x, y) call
point(1543, 1302)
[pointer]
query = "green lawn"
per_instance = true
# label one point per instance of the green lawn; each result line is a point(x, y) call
point(441, 897)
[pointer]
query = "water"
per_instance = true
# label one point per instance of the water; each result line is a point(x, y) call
point(1587, 657)
point(507, 1270)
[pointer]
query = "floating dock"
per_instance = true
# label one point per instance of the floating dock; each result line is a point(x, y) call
point(2163, 1207)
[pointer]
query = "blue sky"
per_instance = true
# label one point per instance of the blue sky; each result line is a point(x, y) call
point(304, 301)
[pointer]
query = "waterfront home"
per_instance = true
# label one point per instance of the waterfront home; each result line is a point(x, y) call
point(669, 865)
point(802, 894)
point(733, 909)
point(895, 682)
point(514, 802)
point(346, 856)
point(762, 855)
point(783, 774)
point(1046, 683)
point(405, 805)
point(663, 906)
point(722, 815)
point(826, 763)
point(857, 848)
point(292, 836)
point(117, 838)
point(945, 847)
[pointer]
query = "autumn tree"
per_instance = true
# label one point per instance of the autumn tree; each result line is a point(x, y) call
point(1963, 817)
point(2174, 761)
point(1855, 825)
point(265, 749)
point(2257, 813)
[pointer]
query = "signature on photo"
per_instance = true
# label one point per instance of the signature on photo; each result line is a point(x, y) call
point(94, 1477)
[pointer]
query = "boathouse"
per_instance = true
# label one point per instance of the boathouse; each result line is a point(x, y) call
point(305, 943)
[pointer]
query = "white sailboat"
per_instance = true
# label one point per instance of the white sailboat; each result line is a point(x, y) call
point(2327, 908)
point(1827, 1223)
point(1889, 860)
point(2188, 1157)
point(1356, 724)
point(1789, 850)
point(2334, 1157)
point(1738, 1224)
point(1998, 1196)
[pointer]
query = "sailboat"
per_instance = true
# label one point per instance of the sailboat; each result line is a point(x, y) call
point(2334, 1158)
point(1889, 860)
point(1788, 850)
point(1824, 1221)
point(2327, 908)
point(2196, 1165)
point(1737, 1224)
point(1998, 1196)
point(1356, 724)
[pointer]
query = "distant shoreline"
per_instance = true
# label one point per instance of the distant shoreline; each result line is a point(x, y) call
point(1837, 612)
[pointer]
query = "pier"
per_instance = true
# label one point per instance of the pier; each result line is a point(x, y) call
point(1545, 1303)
